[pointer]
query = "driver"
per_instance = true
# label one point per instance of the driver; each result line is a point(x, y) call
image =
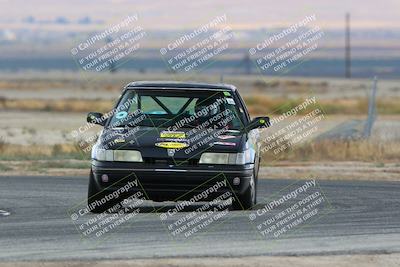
point(206, 108)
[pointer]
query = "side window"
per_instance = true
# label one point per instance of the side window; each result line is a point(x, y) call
point(242, 109)
point(132, 97)
point(128, 104)
point(236, 121)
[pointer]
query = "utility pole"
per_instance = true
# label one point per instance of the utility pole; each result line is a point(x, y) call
point(245, 63)
point(348, 47)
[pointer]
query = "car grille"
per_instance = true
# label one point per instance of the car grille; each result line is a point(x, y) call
point(171, 161)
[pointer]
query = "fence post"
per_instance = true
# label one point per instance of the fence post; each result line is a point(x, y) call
point(371, 110)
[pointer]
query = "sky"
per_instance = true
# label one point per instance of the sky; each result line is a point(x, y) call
point(180, 14)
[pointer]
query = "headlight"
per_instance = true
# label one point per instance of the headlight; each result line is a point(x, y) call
point(116, 155)
point(102, 154)
point(217, 158)
point(228, 158)
point(127, 155)
point(245, 157)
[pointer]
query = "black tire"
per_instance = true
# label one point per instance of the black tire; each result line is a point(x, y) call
point(248, 199)
point(96, 194)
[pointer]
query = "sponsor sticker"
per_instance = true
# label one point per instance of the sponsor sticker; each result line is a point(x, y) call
point(171, 134)
point(179, 140)
point(171, 145)
point(121, 115)
point(225, 143)
point(224, 137)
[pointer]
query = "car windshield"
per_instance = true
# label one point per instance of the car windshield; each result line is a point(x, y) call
point(176, 108)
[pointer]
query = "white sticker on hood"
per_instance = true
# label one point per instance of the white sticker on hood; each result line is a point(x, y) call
point(230, 101)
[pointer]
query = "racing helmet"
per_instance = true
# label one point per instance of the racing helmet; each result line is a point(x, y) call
point(206, 107)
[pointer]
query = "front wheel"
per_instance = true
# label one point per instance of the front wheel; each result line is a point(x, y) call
point(248, 199)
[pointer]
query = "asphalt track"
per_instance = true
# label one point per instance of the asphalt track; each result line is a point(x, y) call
point(363, 218)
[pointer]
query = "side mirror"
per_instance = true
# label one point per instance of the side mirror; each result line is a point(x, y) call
point(96, 118)
point(259, 122)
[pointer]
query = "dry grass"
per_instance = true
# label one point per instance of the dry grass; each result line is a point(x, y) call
point(327, 160)
point(257, 104)
point(38, 84)
point(356, 150)
point(340, 150)
point(290, 86)
point(36, 152)
point(62, 105)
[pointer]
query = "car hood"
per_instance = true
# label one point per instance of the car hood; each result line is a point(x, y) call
point(181, 144)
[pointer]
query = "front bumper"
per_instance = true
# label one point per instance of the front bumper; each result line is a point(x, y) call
point(162, 182)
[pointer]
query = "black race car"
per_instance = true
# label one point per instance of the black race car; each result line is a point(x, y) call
point(176, 139)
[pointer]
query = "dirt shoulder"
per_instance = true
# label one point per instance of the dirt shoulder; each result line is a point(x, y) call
point(306, 261)
point(341, 170)
point(388, 171)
